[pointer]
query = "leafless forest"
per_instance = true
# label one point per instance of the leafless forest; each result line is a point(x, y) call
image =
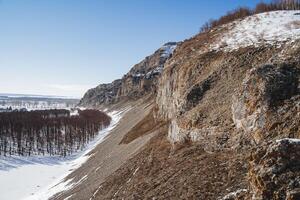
point(48, 132)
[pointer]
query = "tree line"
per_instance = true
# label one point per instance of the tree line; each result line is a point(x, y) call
point(49, 132)
point(245, 12)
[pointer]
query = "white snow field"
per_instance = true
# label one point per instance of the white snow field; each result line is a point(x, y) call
point(40, 177)
point(265, 28)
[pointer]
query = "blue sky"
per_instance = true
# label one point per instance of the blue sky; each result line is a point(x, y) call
point(63, 47)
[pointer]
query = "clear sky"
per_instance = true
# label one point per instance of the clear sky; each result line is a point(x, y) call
point(63, 47)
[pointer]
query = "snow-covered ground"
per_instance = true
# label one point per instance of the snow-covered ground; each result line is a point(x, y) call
point(289, 140)
point(36, 102)
point(38, 178)
point(34, 96)
point(37, 105)
point(265, 28)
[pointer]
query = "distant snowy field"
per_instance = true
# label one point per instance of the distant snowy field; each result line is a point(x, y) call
point(38, 178)
point(36, 102)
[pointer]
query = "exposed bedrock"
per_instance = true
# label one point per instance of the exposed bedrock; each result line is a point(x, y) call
point(260, 102)
point(222, 97)
point(140, 81)
point(275, 171)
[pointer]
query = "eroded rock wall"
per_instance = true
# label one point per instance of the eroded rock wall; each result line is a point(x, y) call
point(140, 81)
point(218, 95)
point(260, 102)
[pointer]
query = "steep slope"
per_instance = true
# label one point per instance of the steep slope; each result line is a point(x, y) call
point(225, 100)
point(221, 103)
point(135, 94)
point(198, 82)
point(109, 155)
point(141, 80)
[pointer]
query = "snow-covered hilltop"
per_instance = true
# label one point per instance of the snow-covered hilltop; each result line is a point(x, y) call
point(270, 28)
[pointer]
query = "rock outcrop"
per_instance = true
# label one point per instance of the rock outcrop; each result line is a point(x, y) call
point(259, 105)
point(102, 94)
point(203, 91)
point(141, 80)
point(275, 171)
point(218, 103)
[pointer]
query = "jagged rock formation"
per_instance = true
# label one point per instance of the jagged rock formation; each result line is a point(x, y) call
point(198, 87)
point(140, 80)
point(102, 94)
point(222, 94)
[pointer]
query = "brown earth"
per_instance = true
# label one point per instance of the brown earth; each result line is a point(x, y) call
point(108, 156)
point(206, 155)
point(218, 107)
point(211, 161)
point(187, 171)
point(146, 126)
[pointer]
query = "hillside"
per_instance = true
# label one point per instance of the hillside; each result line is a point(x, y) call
point(141, 80)
point(223, 105)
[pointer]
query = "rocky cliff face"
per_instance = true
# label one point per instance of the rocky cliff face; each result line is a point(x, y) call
point(268, 94)
point(139, 81)
point(102, 94)
point(211, 94)
point(240, 96)
point(222, 95)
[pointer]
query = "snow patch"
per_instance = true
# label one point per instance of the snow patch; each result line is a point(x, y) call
point(289, 140)
point(265, 28)
point(155, 71)
point(138, 75)
point(168, 49)
point(95, 193)
point(234, 195)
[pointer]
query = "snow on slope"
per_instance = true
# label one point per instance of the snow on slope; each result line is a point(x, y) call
point(289, 140)
point(168, 49)
point(38, 177)
point(265, 28)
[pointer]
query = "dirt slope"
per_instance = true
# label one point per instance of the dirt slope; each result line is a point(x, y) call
point(185, 172)
point(109, 155)
point(220, 103)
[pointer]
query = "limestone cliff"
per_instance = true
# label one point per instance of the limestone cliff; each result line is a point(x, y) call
point(213, 94)
point(139, 81)
point(227, 98)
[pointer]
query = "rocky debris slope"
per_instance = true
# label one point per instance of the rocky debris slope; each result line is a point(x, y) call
point(107, 156)
point(139, 81)
point(235, 97)
point(219, 103)
point(186, 172)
